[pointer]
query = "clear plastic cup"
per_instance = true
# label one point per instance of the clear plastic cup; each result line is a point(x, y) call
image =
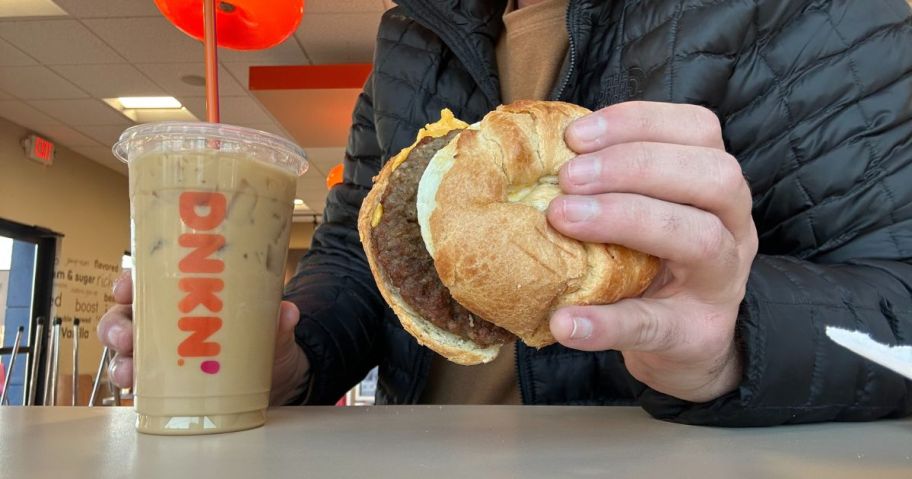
point(210, 208)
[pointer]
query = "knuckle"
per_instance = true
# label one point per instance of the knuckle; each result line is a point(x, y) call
point(652, 334)
point(739, 289)
point(111, 318)
point(671, 223)
point(117, 369)
point(710, 239)
point(683, 159)
point(710, 127)
point(612, 210)
point(632, 214)
point(635, 114)
point(102, 328)
point(645, 333)
point(751, 242)
point(638, 161)
point(730, 176)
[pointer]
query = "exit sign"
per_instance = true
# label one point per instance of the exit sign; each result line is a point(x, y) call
point(39, 149)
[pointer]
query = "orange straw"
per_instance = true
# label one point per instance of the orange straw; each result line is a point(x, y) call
point(211, 49)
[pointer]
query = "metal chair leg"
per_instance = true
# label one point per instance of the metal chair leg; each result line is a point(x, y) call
point(97, 383)
point(76, 332)
point(33, 375)
point(55, 363)
point(12, 364)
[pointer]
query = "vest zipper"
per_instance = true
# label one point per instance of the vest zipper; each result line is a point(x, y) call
point(452, 38)
point(522, 390)
point(571, 21)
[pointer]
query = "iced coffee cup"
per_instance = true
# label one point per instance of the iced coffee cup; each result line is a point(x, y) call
point(211, 209)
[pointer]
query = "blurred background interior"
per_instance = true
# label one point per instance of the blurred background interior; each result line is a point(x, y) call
point(73, 75)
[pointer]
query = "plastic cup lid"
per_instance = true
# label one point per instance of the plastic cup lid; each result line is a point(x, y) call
point(290, 156)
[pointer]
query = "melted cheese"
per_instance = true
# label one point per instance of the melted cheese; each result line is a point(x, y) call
point(378, 213)
point(441, 127)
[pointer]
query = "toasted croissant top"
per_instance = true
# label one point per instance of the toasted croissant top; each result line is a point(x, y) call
point(481, 205)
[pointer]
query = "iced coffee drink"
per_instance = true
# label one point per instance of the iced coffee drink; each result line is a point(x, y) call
point(211, 210)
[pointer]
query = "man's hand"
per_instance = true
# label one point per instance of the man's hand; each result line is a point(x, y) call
point(115, 330)
point(655, 177)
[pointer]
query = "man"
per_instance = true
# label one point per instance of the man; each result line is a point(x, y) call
point(809, 100)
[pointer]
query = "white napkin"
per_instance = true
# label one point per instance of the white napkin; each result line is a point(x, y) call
point(896, 358)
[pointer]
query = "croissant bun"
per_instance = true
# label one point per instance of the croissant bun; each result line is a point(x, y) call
point(481, 207)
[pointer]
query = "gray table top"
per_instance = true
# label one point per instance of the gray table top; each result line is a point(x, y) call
point(433, 442)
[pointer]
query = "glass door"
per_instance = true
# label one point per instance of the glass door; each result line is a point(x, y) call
point(27, 255)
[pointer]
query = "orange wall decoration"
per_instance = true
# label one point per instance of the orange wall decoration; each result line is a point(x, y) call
point(335, 176)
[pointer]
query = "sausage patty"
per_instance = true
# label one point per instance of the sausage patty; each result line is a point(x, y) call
point(408, 265)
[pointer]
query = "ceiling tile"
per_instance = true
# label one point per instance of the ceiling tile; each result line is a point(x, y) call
point(196, 105)
point(312, 192)
point(168, 76)
point(36, 82)
point(147, 39)
point(31, 8)
point(325, 158)
point(314, 196)
point(347, 6)
point(312, 185)
point(314, 177)
point(58, 42)
point(285, 53)
point(243, 110)
point(313, 181)
point(240, 72)
point(236, 110)
point(88, 112)
point(103, 155)
point(109, 8)
point(66, 136)
point(12, 56)
point(23, 114)
point(318, 204)
point(109, 81)
point(316, 118)
point(319, 35)
point(105, 134)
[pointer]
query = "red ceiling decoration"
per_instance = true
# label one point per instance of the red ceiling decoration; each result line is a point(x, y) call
point(240, 24)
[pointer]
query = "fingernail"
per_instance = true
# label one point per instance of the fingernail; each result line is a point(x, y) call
point(582, 328)
point(582, 170)
point(114, 334)
point(588, 129)
point(113, 373)
point(578, 208)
